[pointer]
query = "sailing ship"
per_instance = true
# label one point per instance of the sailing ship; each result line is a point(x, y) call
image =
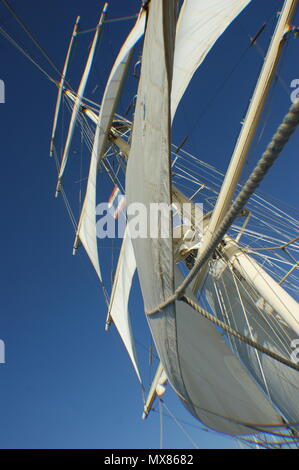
point(220, 299)
point(221, 291)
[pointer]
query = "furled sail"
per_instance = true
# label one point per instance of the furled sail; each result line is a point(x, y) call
point(79, 98)
point(200, 25)
point(118, 308)
point(215, 387)
point(87, 223)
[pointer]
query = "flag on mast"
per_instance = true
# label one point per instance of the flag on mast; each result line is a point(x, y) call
point(116, 203)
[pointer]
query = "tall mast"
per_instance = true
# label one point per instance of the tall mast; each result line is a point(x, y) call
point(250, 124)
point(61, 85)
point(79, 97)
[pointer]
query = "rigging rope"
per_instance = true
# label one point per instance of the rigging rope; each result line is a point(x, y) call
point(65, 199)
point(179, 424)
point(280, 247)
point(161, 422)
point(35, 41)
point(112, 20)
point(40, 48)
point(26, 54)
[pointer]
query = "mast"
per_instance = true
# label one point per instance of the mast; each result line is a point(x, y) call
point(113, 134)
point(157, 388)
point(79, 97)
point(61, 85)
point(250, 124)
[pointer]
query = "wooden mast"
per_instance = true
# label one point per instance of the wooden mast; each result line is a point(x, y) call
point(61, 85)
point(79, 98)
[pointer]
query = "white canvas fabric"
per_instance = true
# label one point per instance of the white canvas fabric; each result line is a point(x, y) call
point(118, 308)
point(209, 379)
point(200, 25)
point(245, 311)
point(151, 134)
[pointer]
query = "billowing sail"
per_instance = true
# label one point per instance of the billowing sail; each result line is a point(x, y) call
point(200, 25)
point(118, 309)
point(237, 302)
point(87, 224)
point(219, 390)
point(208, 378)
point(150, 167)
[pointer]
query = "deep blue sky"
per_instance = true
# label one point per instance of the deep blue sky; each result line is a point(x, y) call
point(66, 383)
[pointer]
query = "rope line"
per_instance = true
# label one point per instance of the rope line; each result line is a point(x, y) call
point(35, 41)
point(179, 424)
point(238, 335)
point(280, 247)
point(26, 54)
point(112, 20)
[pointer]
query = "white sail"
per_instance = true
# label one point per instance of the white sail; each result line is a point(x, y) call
point(87, 223)
point(79, 97)
point(200, 25)
point(220, 391)
point(243, 295)
point(151, 133)
point(118, 308)
point(215, 387)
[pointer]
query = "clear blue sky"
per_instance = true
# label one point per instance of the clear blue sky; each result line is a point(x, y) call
point(66, 383)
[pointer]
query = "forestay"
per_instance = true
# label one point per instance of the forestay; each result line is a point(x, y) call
point(200, 25)
point(87, 223)
point(204, 373)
